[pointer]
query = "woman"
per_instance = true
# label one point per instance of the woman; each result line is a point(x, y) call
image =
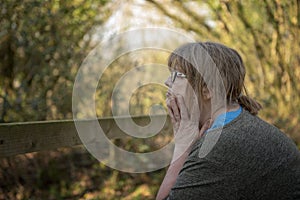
point(222, 149)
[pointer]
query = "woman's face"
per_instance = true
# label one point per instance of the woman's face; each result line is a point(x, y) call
point(181, 86)
point(178, 85)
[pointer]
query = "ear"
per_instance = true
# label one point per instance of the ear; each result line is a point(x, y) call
point(205, 93)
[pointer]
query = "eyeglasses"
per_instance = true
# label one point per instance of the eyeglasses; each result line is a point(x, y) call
point(175, 74)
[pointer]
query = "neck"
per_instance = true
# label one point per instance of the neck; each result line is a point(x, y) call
point(212, 116)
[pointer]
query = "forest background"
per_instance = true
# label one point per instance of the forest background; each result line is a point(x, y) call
point(43, 44)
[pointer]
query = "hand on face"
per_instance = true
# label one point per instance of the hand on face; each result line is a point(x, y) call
point(184, 113)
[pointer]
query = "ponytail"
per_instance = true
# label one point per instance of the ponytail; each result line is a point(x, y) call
point(249, 104)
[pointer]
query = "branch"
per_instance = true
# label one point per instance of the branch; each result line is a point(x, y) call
point(193, 15)
point(258, 47)
point(185, 25)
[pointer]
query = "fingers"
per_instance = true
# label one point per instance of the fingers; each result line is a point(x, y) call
point(205, 127)
point(173, 109)
point(195, 112)
point(171, 115)
point(178, 108)
point(174, 122)
point(179, 113)
point(183, 109)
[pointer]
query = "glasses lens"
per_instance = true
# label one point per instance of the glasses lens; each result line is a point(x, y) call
point(173, 76)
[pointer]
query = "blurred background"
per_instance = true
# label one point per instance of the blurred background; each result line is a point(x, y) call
point(44, 42)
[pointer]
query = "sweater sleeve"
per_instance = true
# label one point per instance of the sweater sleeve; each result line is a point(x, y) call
point(200, 178)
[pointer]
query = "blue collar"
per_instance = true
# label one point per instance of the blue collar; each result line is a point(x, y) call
point(225, 118)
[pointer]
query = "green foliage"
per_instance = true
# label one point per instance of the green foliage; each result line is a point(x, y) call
point(66, 174)
point(42, 44)
point(144, 96)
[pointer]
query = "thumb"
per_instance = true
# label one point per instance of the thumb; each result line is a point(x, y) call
point(183, 109)
point(205, 127)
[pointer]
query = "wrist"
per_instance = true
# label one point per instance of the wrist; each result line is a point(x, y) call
point(181, 151)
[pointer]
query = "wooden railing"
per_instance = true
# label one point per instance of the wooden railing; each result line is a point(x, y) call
point(26, 137)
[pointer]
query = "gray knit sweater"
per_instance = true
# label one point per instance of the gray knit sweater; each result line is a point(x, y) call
point(251, 160)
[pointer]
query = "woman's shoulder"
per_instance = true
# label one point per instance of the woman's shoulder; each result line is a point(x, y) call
point(247, 122)
point(246, 134)
point(251, 135)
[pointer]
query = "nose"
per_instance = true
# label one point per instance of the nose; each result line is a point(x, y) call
point(168, 82)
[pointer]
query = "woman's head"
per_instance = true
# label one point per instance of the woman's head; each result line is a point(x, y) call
point(216, 68)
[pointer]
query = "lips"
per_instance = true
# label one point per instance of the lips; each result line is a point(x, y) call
point(170, 93)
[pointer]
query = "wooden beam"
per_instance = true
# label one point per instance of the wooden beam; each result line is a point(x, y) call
point(20, 138)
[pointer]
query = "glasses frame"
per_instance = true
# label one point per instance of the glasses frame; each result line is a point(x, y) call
point(175, 74)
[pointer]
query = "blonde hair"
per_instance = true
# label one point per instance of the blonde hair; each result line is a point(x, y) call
point(204, 62)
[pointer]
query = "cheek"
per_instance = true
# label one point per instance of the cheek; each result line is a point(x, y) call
point(180, 87)
point(185, 90)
